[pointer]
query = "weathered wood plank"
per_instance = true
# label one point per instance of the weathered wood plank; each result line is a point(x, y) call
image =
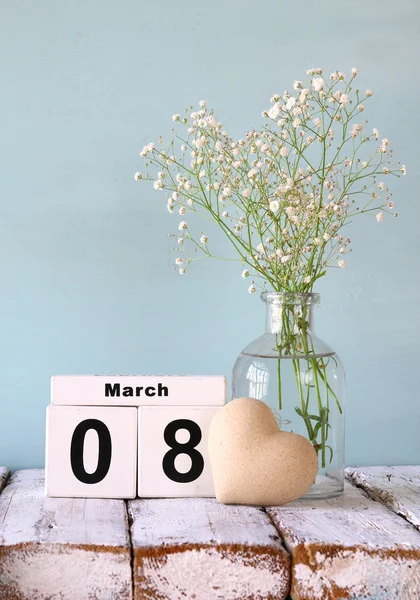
point(61, 548)
point(4, 476)
point(196, 548)
point(397, 487)
point(349, 547)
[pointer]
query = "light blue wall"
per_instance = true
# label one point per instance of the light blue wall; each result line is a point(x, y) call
point(85, 264)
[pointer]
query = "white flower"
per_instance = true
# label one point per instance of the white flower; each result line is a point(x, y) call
point(385, 170)
point(182, 210)
point(137, 176)
point(390, 204)
point(199, 143)
point(357, 128)
point(368, 93)
point(326, 236)
point(148, 148)
point(318, 84)
point(179, 261)
point(180, 241)
point(297, 85)
point(303, 94)
point(170, 208)
point(225, 214)
point(380, 217)
point(403, 170)
point(296, 123)
point(361, 107)
point(245, 274)
point(316, 71)
point(317, 241)
point(182, 225)
point(202, 103)
point(341, 264)
point(175, 196)
point(187, 185)
point(219, 146)
point(307, 279)
point(375, 132)
point(183, 147)
point(202, 174)
point(354, 72)
point(181, 271)
point(284, 151)
point(252, 289)
point(252, 173)
point(274, 98)
point(274, 111)
point(274, 205)
point(226, 191)
point(246, 192)
point(204, 239)
point(176, 117)
point(334, 76)
point(260, 248)
point(158, 185)
point(317, 122)
point(285, 259)
point(290, 102)
point(344, 99)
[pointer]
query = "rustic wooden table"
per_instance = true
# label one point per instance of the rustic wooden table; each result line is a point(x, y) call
point(365, 544)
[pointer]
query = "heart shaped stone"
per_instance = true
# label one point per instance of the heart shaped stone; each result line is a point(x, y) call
point(253, 462)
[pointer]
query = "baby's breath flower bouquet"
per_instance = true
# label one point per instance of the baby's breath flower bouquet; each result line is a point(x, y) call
point(283, 196)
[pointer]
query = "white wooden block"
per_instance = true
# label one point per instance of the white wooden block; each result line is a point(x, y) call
point(91, 452)
point(138, 390)
point(173, 457)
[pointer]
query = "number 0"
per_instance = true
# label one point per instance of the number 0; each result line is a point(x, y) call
point(104, 454)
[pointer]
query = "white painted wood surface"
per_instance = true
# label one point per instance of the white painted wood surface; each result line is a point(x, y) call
point(197, 548)
point(4, 475)
point(138, 390)
point(349, 547)
point(61, 549)
point(396, 487)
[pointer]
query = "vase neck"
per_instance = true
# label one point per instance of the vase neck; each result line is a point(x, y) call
point(289, 313)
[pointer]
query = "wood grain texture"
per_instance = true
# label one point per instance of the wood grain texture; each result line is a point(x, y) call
point(61, 548)
point(396, 487)
point(349, 547)
point(4, 476)
point(196, 548)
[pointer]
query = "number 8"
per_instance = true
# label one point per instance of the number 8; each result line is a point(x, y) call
point(197, 461)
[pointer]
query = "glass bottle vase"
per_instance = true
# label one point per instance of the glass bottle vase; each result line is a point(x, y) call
point(301, 379)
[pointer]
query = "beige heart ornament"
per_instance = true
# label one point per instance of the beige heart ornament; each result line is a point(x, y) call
point(253, 462)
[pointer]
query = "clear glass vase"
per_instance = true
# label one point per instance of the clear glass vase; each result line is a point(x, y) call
point(301, 379)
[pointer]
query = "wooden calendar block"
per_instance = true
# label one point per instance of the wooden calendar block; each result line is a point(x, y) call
point(137, 390)
point(91, 452)
point(173, 458)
